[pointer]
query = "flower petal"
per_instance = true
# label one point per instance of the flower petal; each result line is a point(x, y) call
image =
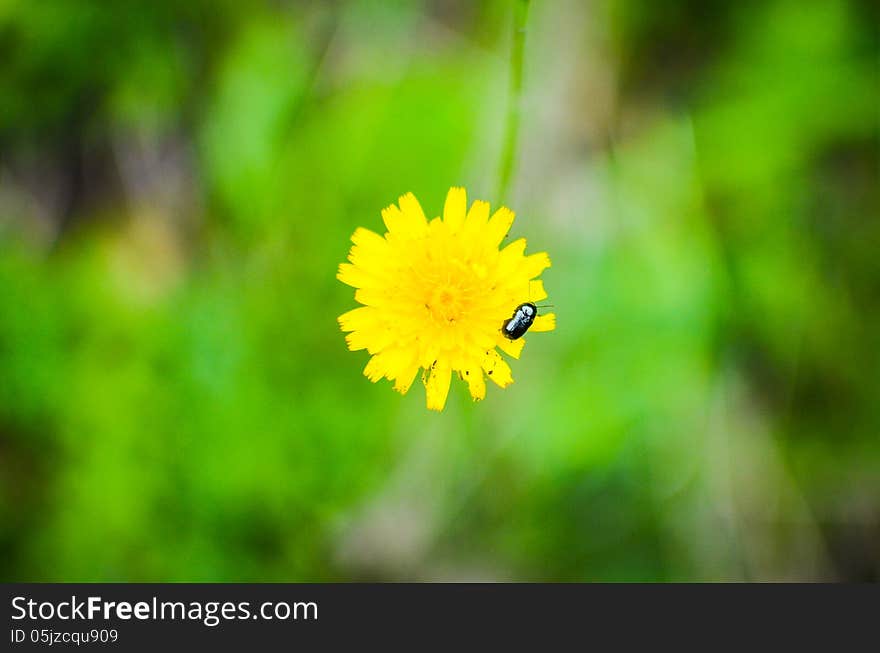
point(544, 323)
point(369, 240)
point(405, 379)
point(498, 227)
point(371, 252)
point(374, 340)
point(412, 210)
point(535, 264)
point(356, 276)
point(473, 375)
point(371, 296)
point(399, 364)
point(437, 386)
point(391, 363)
point(374, 369)
point(511, 347)
point(455, 208)
point(536, 290)
point(476, 216)
point(394, 220)
point(357, 340)
point(497, 369)
point(357, 318)
point(511, 256)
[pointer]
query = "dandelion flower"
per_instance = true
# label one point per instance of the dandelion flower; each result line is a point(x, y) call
point(436, 294)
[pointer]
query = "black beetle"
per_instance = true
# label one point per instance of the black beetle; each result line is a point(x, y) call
point(522, 319)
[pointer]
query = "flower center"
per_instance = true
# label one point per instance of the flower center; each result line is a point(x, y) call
point(445, 304)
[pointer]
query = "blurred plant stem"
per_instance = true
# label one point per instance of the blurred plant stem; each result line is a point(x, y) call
point(508, 152)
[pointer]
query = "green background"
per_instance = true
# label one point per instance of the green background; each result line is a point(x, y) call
point(178, 182)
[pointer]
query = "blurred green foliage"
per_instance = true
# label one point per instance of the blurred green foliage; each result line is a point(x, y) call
point(179, 181)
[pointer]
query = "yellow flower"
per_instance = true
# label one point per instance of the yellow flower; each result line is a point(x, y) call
point(436, 294)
